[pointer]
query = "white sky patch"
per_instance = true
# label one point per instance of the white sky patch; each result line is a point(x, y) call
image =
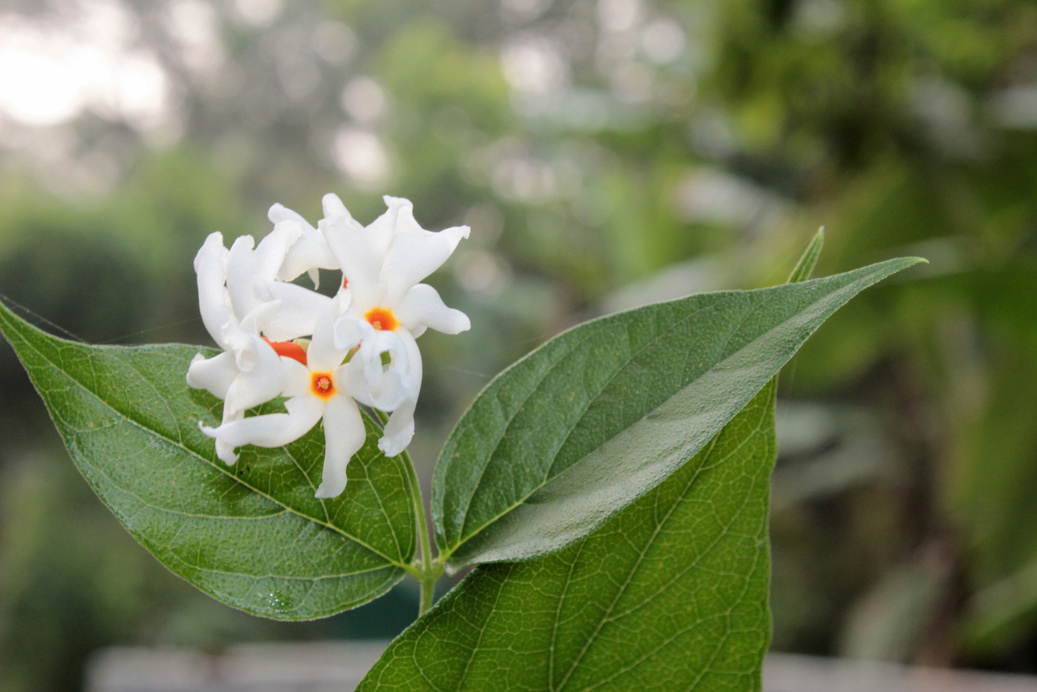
point(360, 155)
point(50, 73)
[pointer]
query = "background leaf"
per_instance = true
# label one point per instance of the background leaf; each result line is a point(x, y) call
point(599, 415)
point(251, 535)
point(670, 594)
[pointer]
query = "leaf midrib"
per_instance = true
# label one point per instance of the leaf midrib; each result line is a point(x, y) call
point(607, 615)
point(646, 414)
point(511, 419)
point(611, 616)
point(714, 366)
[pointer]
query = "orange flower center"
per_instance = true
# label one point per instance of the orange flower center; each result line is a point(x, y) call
point(288, 349)
point(382, 319)
point(321, 384)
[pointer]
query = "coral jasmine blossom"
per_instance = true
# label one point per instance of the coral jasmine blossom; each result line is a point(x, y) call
point(316, 390)
point(363, 347)
point(383, 265)
point(248, 372)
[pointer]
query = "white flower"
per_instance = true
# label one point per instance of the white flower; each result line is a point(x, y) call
point(309, 252)
point(316, 389)
point(238, 309)
point(383, 300)
point(386, 376)
point(383, 263)
point(363, 347)
point(248, 372)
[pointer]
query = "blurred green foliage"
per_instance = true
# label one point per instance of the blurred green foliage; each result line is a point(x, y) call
point(606, 153)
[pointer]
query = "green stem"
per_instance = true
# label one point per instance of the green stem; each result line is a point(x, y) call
point(426, 570)
point(429, 572)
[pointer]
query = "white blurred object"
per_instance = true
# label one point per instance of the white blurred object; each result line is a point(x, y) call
point(792, 673)
point(340, 666)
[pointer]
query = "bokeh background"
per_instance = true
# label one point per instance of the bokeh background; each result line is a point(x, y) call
point(606, 153)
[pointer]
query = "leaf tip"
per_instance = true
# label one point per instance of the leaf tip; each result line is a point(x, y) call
point(805, 266)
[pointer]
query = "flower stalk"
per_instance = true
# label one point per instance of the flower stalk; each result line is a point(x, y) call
point(426, 570)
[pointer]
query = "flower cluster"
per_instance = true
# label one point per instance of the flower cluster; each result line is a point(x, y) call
point(325, 354)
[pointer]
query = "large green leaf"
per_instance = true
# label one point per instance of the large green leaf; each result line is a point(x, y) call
point(670, 594)
point(251, 535)
point(598, 416)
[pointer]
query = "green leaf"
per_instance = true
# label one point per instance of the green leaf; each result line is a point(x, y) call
point(805, 266)
point(670, 594)
point(596, 417)
point(251, 535)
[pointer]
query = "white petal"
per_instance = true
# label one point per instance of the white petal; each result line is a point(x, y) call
point(279, 213)
point(324, 355)
point(240, 277)
point(377, 342)
point(272, 429)
point(212, 374)
point(358, 258)
point(385, 386)
point(225, 452)
point(255, 318)
point(350, 332)
point(297, 312)
point(261, 384)
point(399, 430)
point(344, 435)
point(248, 269)
point(333, 206)
point(269, 256)
point(382, 230)
point(297, 379)
point(414, 252)
point(210, 264)
point(422, 307)
point(309, 253)
point(248, 348)
point(386, 392)
point(413, 357)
